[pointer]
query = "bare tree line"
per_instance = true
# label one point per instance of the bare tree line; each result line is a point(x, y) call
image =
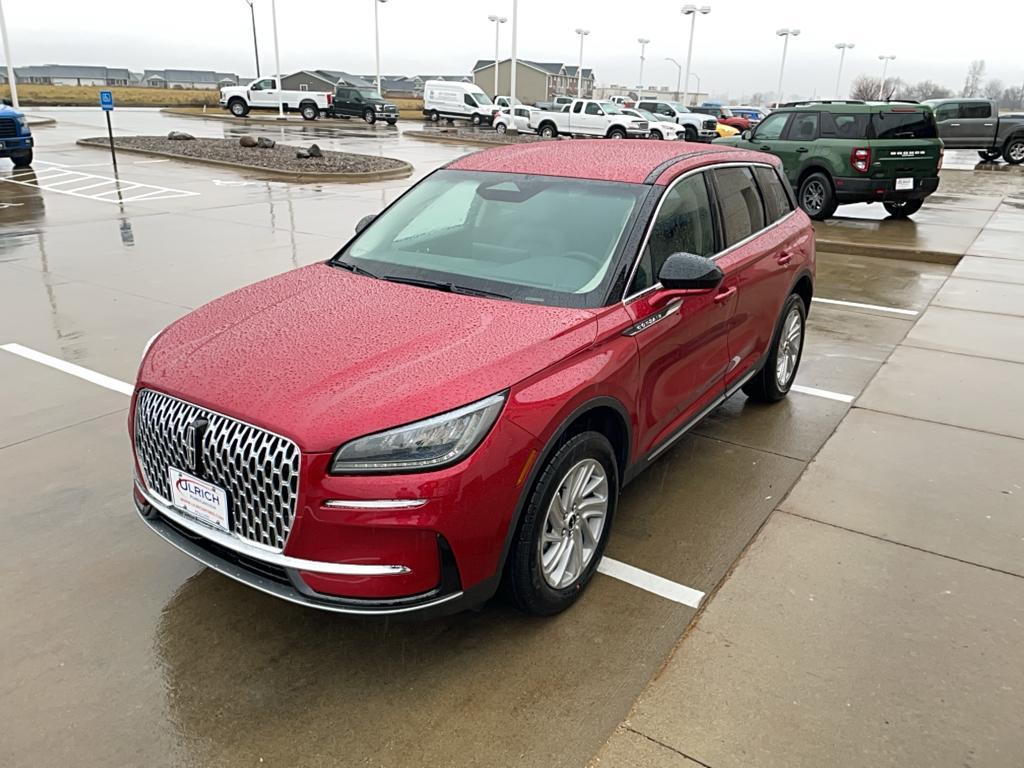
point(866, 87)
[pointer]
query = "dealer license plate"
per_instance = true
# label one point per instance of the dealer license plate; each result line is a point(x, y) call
point(200, 499)
point(904, 184)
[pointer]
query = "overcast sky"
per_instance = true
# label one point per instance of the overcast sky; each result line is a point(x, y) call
point(736, 50)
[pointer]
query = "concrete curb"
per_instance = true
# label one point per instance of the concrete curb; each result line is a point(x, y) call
point(350, 178)
point(36, 122)
point(218, 114)
point(888, 251)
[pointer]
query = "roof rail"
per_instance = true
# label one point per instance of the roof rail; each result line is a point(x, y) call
point(802, 102)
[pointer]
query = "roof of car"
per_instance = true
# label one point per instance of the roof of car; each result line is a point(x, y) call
point(634, 161)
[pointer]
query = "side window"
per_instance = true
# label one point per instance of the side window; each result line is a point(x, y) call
point(771, 127)
point(684, 225)
point(742, 212)
point(468, 100)
point(947, 111)
point(593, 108)
point(804, 127)
point(776, 199)
point(577, 107)
point(665, 109)
point(975, 109)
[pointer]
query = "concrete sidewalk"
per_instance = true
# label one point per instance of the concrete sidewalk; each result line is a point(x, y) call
point(878, 617)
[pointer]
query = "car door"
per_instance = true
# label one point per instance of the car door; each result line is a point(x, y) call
point(947, 119)
point(263, 93)
point(768, 136)
point(976, 125)
point(681, 339)
point(797, 143)
point(592, 121)
point(758, 260)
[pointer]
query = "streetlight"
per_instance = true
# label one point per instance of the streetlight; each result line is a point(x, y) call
point(679, 74)
point(277, 62)
point(640, 84)
point(692, 11)
point(579, 70)
point(498, 21)
point(376, 38)
point(694, 74)
point(885, 65)
point(7, 56)
point(785, 33)
point(252, 12)
point(515, 64)
point(843, 47)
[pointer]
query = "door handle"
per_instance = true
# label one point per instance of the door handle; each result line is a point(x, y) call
point(802, 149)
point(784, 258)
point(764, 147)
point(954, 125)
point(720, 297)
point(989, 125)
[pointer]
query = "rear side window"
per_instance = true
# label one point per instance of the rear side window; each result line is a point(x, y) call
point(836, 125)
point(776, 198)
point(804, 127)
point(577, 107)
point(975, 109)
point(904, 125)
point(742, 212)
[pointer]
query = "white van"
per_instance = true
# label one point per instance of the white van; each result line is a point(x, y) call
point(457, 101)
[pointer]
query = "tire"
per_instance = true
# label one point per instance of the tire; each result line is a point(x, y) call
point(548, 131)
point(476, 120)
point(309, 111)
point(616, 133)
point(393, 122)
point(771, 383)
point(238, 107)
point(370, 117)
point(988, 155)
point(501, 128)
point(1013, 150)
point(433, 116)
point(22, 159)
point(556, 550)
point(903, 208)
point(656, 135)
point(690, 133)
point(816, 196)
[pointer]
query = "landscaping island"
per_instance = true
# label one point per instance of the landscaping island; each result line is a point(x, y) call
point(278, 159)
point(485, 137)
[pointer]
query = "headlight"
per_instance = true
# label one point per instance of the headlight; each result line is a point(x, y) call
point(23, 124)
point(429, 444)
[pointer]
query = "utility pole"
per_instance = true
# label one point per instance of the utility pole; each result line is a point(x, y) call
point(7, 55)
point(498, 21)
point(843, 48)
point(885, 67)
point(513, 62)
point(277, 62)
point(785, 34)
point(691, 11)
point(579, 70)
point(255, 47)
point(640, 84)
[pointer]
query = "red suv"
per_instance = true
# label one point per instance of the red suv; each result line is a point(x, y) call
point(456, 398)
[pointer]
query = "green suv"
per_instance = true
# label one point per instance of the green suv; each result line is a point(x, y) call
point(839, 152)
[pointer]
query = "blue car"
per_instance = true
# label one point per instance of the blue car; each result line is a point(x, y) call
point(15, 137)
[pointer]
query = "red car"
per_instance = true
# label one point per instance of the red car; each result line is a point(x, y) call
point(456, 398)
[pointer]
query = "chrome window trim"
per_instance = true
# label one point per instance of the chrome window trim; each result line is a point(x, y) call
point(654, 217)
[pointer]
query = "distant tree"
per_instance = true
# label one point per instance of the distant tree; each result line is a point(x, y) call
point(1012, 98)
point(994, 89)
point(927, 89)
point(864, 87)
point(972, 85)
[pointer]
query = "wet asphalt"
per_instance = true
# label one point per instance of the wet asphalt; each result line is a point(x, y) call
point(120, 651)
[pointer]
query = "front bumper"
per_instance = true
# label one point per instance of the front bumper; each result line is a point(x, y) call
point(866, 190)
point(15, 144)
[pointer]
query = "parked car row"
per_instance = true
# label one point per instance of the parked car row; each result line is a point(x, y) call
point(345, 102)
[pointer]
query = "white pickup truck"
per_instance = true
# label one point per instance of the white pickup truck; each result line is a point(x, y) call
point(264, 94)
point(586, 117)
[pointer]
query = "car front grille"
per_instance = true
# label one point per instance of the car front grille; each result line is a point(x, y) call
point(642, 125)
point(258, 469)
point(710, 125)
point(7, 128)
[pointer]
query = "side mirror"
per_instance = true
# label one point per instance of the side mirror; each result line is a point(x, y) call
point(689, 272)
point(747, 135)
point(365, 222)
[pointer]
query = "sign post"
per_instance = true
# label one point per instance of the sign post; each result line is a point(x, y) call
point(107, 105)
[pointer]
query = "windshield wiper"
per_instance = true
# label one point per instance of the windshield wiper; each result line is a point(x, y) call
point(355, 270)
point(441, 285)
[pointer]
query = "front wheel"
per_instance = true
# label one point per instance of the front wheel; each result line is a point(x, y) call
point(1013, 152)
point(370, 117)
point(773, 381)
point(616, 133)
point(564, 526)
point(988, 155)
point(690, 133)
point(548, 131)
point(309, 111)
point(22, 159)
point(501, 128)
point(476, 120)
point(816, 197)
point(238, 108)
point(900, 209)
point(434, 116)
point(657, 135)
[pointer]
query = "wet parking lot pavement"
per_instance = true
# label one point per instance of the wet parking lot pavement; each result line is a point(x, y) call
point(120, 651)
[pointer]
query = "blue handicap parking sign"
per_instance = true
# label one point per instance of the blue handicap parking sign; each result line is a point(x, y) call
point(107, 100)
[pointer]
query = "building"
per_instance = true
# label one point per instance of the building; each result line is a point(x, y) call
point(535, 81)
point(68, 74)
point(656, 92)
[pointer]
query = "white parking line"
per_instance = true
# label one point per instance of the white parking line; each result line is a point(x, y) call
point(838, 396)
point(55, 178)
point(75, 370)
point(647, 581)
point(876, 307)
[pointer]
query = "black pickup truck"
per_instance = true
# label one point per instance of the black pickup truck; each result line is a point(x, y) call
point(976, 124)
point(350, 101)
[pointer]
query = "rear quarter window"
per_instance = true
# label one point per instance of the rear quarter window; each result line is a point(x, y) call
point(776, 198)
point(836, 125)
point(740, 201)
point(904, 125)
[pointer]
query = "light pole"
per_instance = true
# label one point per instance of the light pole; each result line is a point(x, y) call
point(579, 70)
point(640, 84)
point(277, 61)
point(498, 21)
point(513, 62)
point(376, 39)
point(252, 12)
point(679, 74)
point(691, 11)
point(885, 66)
point(7, 56)
point(694, 74)
point(784, 33)
point(843, 48)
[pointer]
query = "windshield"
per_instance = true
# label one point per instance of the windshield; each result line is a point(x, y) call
point(611, 108)
point(538, 239)
point(910, 124)
point(368, 94)
point(647, 115)
point(481, 98)
point(679, 107)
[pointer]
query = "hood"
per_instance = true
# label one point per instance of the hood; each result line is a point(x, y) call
point(323, 356)
point(9, 111)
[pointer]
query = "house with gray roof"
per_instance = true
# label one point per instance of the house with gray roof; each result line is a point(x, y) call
point(535, 80)
point(69, 74)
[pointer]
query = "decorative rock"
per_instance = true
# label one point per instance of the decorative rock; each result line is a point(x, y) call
point(314, 151)
point(247, 141)
point(180, 136)
point(264, 143)
point(302, 154)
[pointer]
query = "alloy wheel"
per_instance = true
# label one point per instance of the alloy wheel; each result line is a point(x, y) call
point(1016, 152)
point(789, 348)
point(813, 196)
point(574, 523)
